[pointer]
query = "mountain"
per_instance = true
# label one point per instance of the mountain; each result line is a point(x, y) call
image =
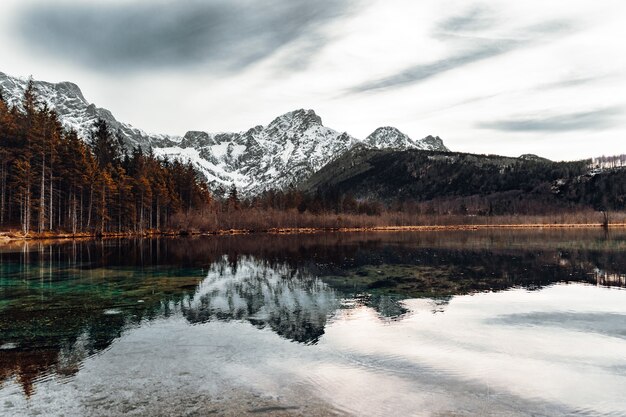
point(297, 309)
point(532, 157)
point(488, 181)
point(392, 138)
point(75, 112)
point(285, 152)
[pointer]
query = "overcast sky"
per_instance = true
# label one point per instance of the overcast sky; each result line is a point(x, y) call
point(543, 77)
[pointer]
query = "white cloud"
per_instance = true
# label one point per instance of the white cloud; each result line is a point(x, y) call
point(549, 71)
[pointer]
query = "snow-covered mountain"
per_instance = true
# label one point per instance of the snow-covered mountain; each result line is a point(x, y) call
point(290, 301)
point(74, 111)
point(392, 138)
point(285, 152)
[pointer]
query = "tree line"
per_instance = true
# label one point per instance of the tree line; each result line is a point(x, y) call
point(50, 179)
point(615, 161)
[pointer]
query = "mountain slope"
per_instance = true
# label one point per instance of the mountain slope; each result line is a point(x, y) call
point(285, 152)
point(75, 112)
point(389, 175)
point(291, 148)
point(392, 138)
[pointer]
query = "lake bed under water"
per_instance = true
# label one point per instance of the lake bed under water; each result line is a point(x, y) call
point(495, 323)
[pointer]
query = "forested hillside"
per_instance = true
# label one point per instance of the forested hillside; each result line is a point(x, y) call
point(284, 151)
point(470, 184)
point(50, 179)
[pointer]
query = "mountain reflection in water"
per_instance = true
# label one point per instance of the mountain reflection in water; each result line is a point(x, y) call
point(62, 303)
point(291, 301)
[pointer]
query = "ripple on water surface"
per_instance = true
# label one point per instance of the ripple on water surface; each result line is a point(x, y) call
point(382, 324)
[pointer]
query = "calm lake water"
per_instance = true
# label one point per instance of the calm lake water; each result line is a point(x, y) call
point(425, 324)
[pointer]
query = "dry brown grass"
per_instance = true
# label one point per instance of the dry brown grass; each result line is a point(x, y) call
point(279, 221)
point(294, 222)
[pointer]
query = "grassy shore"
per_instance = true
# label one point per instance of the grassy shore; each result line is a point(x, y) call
point(8, 236)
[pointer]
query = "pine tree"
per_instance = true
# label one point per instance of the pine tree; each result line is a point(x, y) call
point(52, 177)
point(105, 147)
point(7, 131)
point(22, 183)
point(233, 198)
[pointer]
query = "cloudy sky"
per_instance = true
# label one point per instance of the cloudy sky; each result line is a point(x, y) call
point(495, 76)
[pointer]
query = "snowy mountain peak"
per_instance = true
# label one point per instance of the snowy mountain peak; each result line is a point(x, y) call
point(433, 143)
point(283, 153)
point(69, 89)
point(195, 139)
point(391, 137)
point(74, 111)
point(62, 96)
point(388, 137)
point(297, 119)
point(294, 124)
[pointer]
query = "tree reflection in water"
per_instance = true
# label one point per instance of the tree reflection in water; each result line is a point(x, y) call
point(290, 301)
point(61, 303)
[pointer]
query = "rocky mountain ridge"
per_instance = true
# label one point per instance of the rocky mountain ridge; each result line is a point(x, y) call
point(392, 138)
point(283, 153)
point(74, 111)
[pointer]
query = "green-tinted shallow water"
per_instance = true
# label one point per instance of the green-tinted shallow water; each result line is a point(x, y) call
point(455, 323)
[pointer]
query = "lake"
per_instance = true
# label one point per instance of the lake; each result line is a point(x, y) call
point(493, 323)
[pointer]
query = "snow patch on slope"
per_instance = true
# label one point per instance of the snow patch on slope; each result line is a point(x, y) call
point(212, 172)
point(283, 153)
point(392, 138)
point(75, 112)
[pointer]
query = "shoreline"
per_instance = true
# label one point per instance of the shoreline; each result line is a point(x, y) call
point(7, 237)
